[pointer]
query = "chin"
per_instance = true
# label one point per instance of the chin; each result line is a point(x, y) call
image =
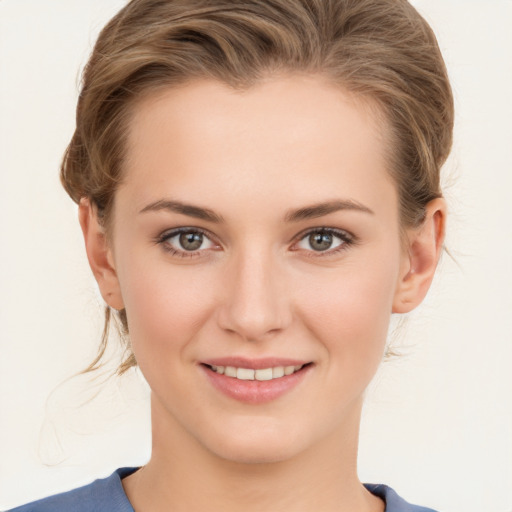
point(257, 444)
point(256, 453)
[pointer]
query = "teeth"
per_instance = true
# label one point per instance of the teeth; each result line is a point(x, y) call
point(288, 370)
point(230, 371)
point(262, 374)
point(265, 374)
point(244, 374)
point(277, 372)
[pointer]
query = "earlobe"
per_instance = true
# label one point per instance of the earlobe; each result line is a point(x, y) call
point(99, 255)
point(420, 260)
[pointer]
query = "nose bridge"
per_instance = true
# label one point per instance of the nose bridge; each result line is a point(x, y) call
point(257, 303)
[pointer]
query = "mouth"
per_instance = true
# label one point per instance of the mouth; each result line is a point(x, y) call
point(256, 382)
point(260, 374)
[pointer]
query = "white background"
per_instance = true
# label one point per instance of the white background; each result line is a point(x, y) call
point(438, 421)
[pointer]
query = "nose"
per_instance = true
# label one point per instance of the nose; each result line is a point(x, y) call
point(256, 301)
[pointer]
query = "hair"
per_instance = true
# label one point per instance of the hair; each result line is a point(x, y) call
point(379, 50)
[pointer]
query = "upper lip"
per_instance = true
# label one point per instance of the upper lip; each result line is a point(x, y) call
point(255, 364)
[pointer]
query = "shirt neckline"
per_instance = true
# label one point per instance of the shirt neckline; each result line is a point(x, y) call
point(381, 491)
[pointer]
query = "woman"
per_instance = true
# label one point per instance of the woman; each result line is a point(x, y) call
point(258, 188)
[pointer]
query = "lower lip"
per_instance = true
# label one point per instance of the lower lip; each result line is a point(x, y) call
point(255, 391)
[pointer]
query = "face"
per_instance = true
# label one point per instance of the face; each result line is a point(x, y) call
point(256, 232)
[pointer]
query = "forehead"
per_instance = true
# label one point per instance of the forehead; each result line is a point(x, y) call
point(299, 135)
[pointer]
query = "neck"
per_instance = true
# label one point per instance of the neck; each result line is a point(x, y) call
point(184, 473)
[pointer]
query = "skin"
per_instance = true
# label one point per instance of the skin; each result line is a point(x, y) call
point(257, 288)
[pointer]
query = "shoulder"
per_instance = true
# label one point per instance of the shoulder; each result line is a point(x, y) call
point(107, 495)
point(104, 495)
point(394, 503)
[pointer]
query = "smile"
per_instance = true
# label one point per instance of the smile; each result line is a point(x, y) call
point(262, 374)
point(255, 382)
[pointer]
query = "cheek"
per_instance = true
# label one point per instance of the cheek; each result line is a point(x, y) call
point(349, 310)
point(166, 305)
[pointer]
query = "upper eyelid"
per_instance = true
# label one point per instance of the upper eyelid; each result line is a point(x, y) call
point(170, 233)
point(163, 240)
point(341, 233)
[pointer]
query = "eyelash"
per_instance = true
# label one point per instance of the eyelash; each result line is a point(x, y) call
point(166, 236)
point(346, 238)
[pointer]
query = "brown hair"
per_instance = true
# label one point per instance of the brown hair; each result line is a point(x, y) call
point(382, 50)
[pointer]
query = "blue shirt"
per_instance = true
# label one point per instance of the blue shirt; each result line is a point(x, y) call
point(107, 495)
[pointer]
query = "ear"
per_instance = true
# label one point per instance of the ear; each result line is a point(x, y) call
point(420, 258)
point(99, 255)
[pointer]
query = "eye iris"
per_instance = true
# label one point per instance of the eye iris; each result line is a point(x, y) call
point(320, 241)
point(191, 241)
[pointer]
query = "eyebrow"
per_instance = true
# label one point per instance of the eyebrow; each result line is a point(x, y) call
point(185, 209)
point(319, 210)
point(308, 212)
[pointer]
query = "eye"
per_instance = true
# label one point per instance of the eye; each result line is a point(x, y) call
point(186, 240)
point(324, 240)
